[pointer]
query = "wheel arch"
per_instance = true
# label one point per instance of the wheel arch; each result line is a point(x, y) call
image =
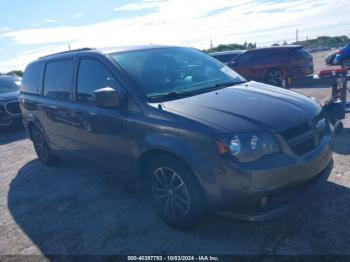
point(152, 153)
point(157, 144)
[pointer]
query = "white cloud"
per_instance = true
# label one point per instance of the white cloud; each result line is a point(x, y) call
point(5, 29)
point(140, 5)
point(25, 57)
point(80, 14)
point(50, 20)
point(192, 23)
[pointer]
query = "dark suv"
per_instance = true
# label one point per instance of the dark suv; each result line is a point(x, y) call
point(272, 65)
point(196, 133)
point(10, 113)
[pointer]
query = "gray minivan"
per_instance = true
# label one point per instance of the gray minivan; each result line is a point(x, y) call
point(197, 134)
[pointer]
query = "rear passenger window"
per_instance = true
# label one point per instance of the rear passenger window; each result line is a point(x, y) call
point(92, 76)
point(223, 58)
point(31, 78)
point(245, 58)
point(58, 79)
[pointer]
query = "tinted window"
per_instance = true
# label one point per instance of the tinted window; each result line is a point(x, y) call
point(58, 79)
point(301, 53)
point(92, 76)
point(261, 56)
point(225, 58)
point(7, 86)
point(245, 58)
point(32, 77)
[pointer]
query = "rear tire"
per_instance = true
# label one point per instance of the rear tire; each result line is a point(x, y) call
point(174, 192)
point(41, 147)
point(274, 77)
point(345, 64)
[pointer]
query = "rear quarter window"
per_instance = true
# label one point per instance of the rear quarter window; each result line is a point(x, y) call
point(31, 78)
point(301, 52)
point(58, 79)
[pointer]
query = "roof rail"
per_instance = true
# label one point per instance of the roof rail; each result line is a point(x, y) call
point(69, 51)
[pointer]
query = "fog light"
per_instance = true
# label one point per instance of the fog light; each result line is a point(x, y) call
point(263, 202)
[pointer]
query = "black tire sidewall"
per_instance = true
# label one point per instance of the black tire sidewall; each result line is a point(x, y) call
point(344, 62)
point(197, 206)
point(267, 77)
point(51, 159)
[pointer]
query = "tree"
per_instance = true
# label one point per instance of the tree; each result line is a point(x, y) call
point(16, 72)
point(230, 47)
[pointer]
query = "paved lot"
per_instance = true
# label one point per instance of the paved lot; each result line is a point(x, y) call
point(72, 210)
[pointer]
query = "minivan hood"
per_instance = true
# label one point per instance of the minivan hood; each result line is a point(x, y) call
point(248, 106)
point(8, 96)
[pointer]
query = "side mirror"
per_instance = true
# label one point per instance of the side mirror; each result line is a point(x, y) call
point(106, 97)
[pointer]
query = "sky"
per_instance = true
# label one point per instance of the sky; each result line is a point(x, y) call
point(30, 29)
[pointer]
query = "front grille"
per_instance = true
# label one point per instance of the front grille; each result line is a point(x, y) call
point(296, 131)
point(305, 137)
point(13, 108)
point(304, 147)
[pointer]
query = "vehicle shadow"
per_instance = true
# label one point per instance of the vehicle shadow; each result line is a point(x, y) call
point(342, 142)
point(71, 211)
point(11, 134)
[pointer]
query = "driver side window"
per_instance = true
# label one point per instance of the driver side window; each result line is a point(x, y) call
point(92, 75)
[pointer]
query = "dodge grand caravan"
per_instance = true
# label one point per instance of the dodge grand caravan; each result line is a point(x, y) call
point(199, 136)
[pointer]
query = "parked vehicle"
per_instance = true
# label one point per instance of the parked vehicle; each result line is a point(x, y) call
point(198, 134)
point(226, 57)
point(272, 65)
point(339, 57)
point(10, 113)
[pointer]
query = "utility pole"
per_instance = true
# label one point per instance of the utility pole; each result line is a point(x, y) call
point(211, 43)
point(68, 47)
point(296, 35)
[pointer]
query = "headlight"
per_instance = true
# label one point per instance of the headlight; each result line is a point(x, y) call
point(247, 147)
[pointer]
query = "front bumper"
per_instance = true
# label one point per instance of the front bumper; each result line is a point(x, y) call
point(268, 187)
point(270, 204)
point(10, 120)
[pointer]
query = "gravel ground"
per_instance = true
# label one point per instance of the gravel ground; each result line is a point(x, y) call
point(72, 210)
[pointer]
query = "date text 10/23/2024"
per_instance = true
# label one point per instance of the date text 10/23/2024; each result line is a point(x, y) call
point(173, 258)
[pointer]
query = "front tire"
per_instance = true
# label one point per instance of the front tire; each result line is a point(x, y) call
point(174, 192)
point(41, 147)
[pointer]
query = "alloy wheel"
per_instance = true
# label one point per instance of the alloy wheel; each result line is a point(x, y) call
point(274, 77)
point(40, 145)
point(170, 193)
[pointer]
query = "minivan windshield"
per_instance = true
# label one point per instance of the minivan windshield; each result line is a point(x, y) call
point(171, 73)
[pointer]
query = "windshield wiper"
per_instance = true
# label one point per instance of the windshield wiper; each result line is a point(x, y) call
point(225, 84)
point(218, 86)
point(172, 95)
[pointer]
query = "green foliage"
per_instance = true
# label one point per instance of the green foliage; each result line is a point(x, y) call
point(16, 72)
point(326, 42)
point(13, 72)
point(230, 47)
